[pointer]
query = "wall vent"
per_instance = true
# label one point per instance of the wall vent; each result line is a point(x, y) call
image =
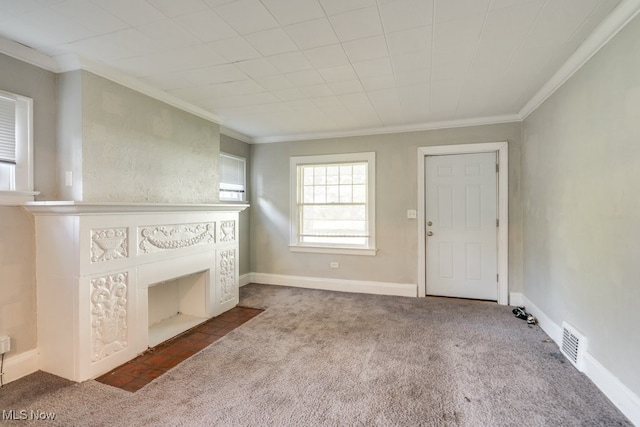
point(573, 345)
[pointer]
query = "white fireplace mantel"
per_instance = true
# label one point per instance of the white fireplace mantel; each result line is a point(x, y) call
point(95, 263)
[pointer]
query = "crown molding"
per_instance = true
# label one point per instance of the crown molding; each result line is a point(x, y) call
point(236, 135)
point(608, 28)
point(26, 54)
point(73, 62)
point(507, 118)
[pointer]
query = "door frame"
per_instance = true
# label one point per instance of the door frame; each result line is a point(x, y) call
point(501, 148)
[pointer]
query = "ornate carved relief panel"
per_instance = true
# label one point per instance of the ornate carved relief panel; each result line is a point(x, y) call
point(108, 244)
point(227, 231)
point(166, 237)
point(227, 275)
point(108, 315)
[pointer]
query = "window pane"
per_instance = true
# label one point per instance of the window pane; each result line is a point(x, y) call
point(333, 175)
point(319, 175)
point(359, 193)
point(319, 194)
point(333, 194)
point(360, 174)
point(345, 194)
point(307, 194)
point(307, 176)
point(345, 174)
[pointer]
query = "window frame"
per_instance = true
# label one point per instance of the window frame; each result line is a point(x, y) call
point(327, 159)
point(22, 190)
point(244, 178)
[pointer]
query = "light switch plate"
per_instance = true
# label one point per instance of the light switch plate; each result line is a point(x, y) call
point(5, 344)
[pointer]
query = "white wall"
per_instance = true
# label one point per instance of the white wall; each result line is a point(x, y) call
point(580, 176)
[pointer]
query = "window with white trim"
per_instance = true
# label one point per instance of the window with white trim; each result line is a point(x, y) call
point(333, 203)
point(232, 178)
point(16, 157)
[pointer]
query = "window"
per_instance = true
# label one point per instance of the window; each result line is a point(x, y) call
point(333, 203)
point(16, 157)
point(232, 178)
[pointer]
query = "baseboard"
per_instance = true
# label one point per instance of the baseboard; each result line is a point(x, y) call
point(549, 326)
point(245, 279)
point(20, 365)
point(358, 286)
point(624, 399)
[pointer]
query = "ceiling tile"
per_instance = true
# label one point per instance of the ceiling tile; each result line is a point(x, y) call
point(91, 16)
point(411, 40)
point(133, 12)
point(217, 74)
point(292, 11)
point(290, 94)
point(465, 30)
point(246, 16)
point(168, 81)
point(103, 49)
point(17, 7)
point(448, 10)
point(234, 49)
point(247, 99)
point(317, 91)
point(404, 14)
point(327, 101)
point(318, 32)
point(326, 56)
point(412, 77)
point(333, 7)
point(256, 68)
point(290, 62)
point(511, 20)
point(373, 67)
point(357, 24)
point(345, 87)
point(338, 74)
point(169, 34)
point(172, 8)
point(271, 42)
point(367, 48)
point(412, 61)
point(51, 26)
point(378, 82)
point(273, 83)
point(135, 41)
point(206, 26)
point(305, 78)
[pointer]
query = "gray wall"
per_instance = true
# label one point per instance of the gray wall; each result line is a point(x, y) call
point(17, 247)
point(242, 149)
point(138, 149)
point(581, 169)
point(396, 191)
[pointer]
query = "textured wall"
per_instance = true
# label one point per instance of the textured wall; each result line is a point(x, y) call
point(138, 149)
point(581, 169)
point(242, 149)
point(17, 253)
point(396, 191)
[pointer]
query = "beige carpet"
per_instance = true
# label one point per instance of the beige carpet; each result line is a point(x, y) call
point(329, 358)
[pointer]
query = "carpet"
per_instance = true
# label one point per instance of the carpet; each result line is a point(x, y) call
point(319, 358)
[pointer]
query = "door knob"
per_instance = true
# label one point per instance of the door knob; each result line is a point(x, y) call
point(429, 223)
point(429, 233)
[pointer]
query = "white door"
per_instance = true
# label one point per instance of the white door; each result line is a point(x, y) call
point(461, 226)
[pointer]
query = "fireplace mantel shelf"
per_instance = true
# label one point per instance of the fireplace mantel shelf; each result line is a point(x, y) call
point(89, 208)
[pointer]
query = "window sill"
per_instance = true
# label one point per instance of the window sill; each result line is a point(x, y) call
point(333, 250)
point(16, 198)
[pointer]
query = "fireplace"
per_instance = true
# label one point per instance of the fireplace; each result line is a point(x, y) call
point(115, 279)
point(175, 306)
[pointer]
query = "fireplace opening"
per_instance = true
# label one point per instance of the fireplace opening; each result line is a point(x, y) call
point(176, 305)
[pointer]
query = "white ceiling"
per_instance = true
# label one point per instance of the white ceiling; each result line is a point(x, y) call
point(273, 69)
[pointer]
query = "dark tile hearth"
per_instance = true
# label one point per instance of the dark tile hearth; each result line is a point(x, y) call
point(137, 373)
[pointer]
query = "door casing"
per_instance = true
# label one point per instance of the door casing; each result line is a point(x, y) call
point(503, 209)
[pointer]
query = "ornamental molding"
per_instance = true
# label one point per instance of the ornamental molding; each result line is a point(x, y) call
point(108, 244)
point(166, 237)
point(227, 231)
point(108, 315)
point(227, 275)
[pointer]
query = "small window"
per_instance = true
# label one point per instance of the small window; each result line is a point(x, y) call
point(16, 157)
point(333, 203)
point(232, 178)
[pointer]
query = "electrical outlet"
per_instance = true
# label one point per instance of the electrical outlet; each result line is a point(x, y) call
point(334, 264)
point(5, 344)
point(412, 214)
